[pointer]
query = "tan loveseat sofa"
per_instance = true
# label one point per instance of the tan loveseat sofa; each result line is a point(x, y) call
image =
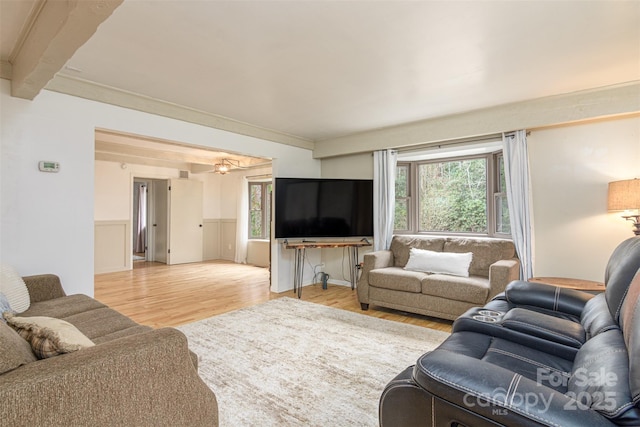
point(384, 281)
point(133, 376)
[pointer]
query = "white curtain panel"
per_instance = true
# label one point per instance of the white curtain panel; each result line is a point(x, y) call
point(384, 197)
point(516, 169)
point(141, 220)
point(242, 222)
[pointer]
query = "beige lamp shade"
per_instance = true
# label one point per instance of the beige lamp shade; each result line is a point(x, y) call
point(624, 195)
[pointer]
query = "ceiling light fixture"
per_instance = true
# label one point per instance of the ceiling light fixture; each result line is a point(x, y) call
point(225, 166)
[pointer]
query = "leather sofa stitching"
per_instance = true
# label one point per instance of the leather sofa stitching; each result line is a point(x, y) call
point(488, 398)
point(513, 385)
point(619, 308)
point(531, 362)
point(550, 312)
point(540, 328)
point(592, 360)
point(618, 410)
point(588, 362)
point(599, 331)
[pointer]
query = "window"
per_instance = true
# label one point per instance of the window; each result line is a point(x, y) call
point(503, 226)
point(452, 195)
point(259, 210)
point(403, 200)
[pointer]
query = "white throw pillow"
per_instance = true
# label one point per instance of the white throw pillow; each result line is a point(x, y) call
point(14, 289)
point(455, 264)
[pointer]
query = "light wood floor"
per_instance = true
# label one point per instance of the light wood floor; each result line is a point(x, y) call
point(159, 295)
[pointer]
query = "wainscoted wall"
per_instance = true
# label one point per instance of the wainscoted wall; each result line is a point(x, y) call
point(219, 239)
point(112, 246)
point(258, 253)
point(220, 243)
point(211, 239)
point(228, 240)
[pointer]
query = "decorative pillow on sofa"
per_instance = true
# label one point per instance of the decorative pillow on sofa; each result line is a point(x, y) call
point(15, 350)
point(48, 336)
point(14, 289)
point(455, 264)
point(4, 306)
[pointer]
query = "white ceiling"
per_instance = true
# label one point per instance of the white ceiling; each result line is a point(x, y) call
point(323, 69)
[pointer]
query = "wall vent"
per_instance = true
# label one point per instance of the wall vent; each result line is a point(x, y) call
point(184, 174)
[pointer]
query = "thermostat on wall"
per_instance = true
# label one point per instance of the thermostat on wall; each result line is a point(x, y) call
point(46, 166)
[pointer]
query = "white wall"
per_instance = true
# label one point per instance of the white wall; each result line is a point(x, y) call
point(355, 166)
point(113, 189)
point(47, 220)
point(571, 167)
point(46, 223)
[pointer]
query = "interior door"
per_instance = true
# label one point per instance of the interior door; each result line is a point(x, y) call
point(159, 220)
point(185, 221)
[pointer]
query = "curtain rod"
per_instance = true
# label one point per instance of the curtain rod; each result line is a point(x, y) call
point(449, 143)
point(264, 175)
point(454, 142)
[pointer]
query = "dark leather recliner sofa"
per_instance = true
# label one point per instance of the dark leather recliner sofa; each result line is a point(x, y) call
point(536, 355)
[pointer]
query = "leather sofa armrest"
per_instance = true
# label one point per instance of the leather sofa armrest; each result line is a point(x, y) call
point(549, 328)
point(43, 287)
point(498, 393)
point(501, 273)
point(371, 261)
point(526, 327)
point(141, 379)
point(548, 297)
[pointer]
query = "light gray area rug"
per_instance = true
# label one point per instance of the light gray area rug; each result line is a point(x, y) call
point(294, 363)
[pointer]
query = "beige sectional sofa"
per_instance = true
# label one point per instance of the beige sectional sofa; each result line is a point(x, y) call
point(385, 282)
point(133, 376)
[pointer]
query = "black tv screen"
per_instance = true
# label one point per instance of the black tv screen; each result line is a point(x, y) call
point(318, 207)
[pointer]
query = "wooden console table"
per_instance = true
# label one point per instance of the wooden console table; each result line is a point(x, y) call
point(301, 247)
point(564, 282)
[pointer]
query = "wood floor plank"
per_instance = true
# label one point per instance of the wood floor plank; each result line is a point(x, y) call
point(160, 295)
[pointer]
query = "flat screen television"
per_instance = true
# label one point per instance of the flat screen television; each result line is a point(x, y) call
point(320, 207)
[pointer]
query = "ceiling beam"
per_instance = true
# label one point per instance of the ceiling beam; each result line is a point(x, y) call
point(146, 161)
point(56, 29)
point(159, 154)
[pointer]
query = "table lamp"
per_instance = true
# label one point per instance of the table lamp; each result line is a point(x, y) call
point(625, 196)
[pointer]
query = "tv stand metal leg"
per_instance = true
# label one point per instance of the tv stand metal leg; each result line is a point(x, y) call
point(299, 271)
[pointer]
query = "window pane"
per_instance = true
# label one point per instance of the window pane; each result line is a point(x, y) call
point(452, 196)
point(400, 219)
point(401, 215)
point(402, 176)
point(502, 180)
point(256, 223)
point(502, 214)
point(259, 210)
point(255, 196)
point(503, 225)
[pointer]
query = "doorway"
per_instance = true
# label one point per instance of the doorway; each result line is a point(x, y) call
point(167, 223)
point(140, 221)
point(150, 220)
